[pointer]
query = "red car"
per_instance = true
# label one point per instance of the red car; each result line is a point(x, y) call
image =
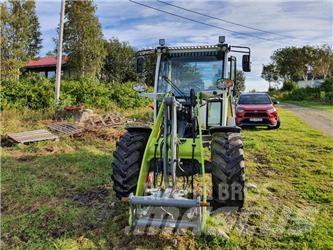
point(256, 109)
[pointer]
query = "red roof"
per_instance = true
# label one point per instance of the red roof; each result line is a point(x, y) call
point(46, 61)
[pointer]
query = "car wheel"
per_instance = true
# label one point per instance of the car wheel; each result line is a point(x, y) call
point(278, 124)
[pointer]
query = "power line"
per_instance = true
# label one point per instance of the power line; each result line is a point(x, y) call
point(196, 21)
point(224, 20)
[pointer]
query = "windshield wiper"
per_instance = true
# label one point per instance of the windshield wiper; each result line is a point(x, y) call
point(180, 92)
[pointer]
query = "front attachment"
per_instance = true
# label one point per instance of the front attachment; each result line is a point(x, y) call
point(163, 202)
point(166, 208)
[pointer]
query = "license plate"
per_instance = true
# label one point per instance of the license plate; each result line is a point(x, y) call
point(256, 119)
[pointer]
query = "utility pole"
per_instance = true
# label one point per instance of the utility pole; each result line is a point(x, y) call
point(59, 56)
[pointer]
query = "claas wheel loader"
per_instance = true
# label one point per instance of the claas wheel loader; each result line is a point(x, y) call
point(163, 171)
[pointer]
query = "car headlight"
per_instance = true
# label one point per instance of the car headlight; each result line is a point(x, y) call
point(271, 110)
point(240, 110)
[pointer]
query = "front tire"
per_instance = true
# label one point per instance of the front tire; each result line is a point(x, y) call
point(127, 162)
point(227, 170)
point(278, 124)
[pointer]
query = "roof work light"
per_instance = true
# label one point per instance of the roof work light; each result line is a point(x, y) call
point(161, 42)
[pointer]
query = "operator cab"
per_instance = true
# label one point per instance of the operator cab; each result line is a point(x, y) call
point(199, 71)
point(208, 71)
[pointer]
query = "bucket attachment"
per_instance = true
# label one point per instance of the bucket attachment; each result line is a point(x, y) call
point(165, 209)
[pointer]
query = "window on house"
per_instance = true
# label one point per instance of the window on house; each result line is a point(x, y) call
point(51, 74)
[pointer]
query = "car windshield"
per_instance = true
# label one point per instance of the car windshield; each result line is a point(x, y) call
point(199, 73)
point(254, 99)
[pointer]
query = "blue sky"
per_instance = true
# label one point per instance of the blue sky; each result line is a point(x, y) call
point(308, 21)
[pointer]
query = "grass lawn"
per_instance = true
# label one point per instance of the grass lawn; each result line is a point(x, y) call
point(312, 104)
point(58, 195)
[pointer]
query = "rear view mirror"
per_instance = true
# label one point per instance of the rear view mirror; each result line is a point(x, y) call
point(246, 64)
point(140, 65)
point(275, 102)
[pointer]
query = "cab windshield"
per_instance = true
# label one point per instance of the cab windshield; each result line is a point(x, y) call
point(199, 73)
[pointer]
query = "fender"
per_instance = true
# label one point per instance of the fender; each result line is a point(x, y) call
point(139, 128)
point(225, 129)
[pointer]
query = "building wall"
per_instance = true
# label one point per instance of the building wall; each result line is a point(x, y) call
point(49, 72)
point(309, 83)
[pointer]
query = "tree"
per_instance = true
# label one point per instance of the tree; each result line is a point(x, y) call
point(50, 53)
point(240, 83)
point(289, 63)
point(292, 64)
point(150, 64)
point(119, 62)
point(270, 74)
point(20, 36)
point(83, 39)
point(323, 62)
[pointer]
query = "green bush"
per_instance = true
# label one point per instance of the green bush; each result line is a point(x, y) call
point(34, 92)
point(126, 97)
point(289, 85)
point(322, 94)
point(303, 94)
point(37, 92)
point(327, 87)
point(91, 93)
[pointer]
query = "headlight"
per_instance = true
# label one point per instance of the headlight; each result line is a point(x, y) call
point(240, 110)
point(271, 110)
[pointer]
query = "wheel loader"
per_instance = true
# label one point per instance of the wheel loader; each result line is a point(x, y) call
point(191, 160)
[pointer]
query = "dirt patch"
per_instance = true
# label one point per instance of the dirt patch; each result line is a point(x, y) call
point(91, 197)
point(107, 134)
point(266, 171)
point(261, 159)
point(5, 142)
point(26, 158)
point(272, 189)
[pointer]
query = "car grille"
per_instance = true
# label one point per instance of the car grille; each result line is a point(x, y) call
point(255, 114)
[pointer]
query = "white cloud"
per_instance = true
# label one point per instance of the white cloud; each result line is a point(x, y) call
point(49, 14)
point(309, 21)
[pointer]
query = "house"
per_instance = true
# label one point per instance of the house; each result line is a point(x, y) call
point(313, 83)
point(46, 66)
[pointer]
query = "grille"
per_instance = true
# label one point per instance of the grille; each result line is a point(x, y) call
point(256, 114)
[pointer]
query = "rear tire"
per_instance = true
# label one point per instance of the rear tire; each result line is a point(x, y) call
point(227, 170)
point(127, 162)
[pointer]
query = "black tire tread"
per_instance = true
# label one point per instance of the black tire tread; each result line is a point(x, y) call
point(127, 162)
point(227, 167)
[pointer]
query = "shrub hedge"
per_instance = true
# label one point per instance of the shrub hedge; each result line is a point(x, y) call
point(323, 93)
point(37, 92)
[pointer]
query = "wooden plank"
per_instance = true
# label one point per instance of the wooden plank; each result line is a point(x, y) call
point(32, 136)
point(61, 128)
point(66, 128)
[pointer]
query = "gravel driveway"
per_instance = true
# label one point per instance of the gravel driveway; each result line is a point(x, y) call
point(318, 119)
